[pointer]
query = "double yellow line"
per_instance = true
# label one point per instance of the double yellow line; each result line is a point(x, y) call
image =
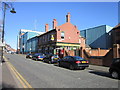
point(23, 82)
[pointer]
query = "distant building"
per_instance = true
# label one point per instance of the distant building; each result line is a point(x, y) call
point(60, 37)
point(32, 45)
point(97, 37)
point(25, 35)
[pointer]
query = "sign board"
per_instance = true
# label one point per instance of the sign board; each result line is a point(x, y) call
point(2, 44)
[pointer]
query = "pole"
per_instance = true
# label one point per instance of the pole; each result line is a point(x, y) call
point(4, 11)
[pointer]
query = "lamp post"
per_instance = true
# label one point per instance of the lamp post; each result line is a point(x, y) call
point(5, 5)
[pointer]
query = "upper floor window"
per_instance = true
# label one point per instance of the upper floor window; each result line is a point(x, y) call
point(62, 35)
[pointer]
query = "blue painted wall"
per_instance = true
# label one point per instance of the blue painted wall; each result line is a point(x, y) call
point(32, 45)
point(97, 37)
point(24, 39)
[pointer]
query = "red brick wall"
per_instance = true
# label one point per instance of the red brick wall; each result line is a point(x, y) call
point(98, 52)
point(71, 33)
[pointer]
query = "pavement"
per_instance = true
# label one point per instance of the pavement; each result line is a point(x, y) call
point(98, 68)
point(8, 80)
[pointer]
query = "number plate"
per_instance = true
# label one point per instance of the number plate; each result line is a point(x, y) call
point(83, 61)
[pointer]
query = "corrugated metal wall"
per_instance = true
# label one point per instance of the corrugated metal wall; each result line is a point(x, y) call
point(97, 37)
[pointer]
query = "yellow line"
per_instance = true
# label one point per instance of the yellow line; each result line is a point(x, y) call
point(29, 86)
point(20, 78)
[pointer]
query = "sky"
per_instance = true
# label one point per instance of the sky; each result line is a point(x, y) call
point(34, 16)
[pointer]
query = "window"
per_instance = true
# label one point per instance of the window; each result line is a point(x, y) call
point(62, 35)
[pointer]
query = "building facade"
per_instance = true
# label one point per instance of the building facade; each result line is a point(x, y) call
point(60, 37)
point(98, 37)
point(24, 36)
point(32, 45)
point(115, 33)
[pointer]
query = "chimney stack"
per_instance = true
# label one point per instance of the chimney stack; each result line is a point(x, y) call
point(68, 17)
point(46, 27)
point(54, 23)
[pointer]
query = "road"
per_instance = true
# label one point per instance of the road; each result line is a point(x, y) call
point(42, 75)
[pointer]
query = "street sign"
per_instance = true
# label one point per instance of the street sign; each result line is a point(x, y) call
point(2, 44)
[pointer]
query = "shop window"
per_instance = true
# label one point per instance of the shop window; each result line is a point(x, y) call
point(62, 35)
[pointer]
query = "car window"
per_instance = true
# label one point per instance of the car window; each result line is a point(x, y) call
point(64, 58)
point(69, 58)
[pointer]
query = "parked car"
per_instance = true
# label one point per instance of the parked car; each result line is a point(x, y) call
point(51, 58)
point(114, 69)
point(38, 56)
point(29, 55)
point(73, 62)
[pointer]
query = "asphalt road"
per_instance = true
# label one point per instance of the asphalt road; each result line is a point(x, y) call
point(43, 75)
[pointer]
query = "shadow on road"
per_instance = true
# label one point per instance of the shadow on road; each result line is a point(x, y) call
point(67, 68)
point(6, 86)
point(100, 73)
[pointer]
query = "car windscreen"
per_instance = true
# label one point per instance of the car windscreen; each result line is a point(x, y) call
point(29, 54)
point(78, 58)
point(40, 54)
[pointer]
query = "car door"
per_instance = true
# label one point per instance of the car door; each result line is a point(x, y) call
point(63, 61)
point(69, 61)
point(66, 61)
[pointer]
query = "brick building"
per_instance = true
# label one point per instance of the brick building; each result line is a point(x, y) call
point(64, 36)
point(115, 33)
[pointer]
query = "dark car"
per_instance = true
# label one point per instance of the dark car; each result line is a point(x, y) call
point(38, 56)
point(28, 55)
point(115, 68)
point(73, 62)
point(51, 58)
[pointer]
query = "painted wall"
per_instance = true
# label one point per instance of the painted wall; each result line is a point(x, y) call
point(24, 39)
point(32, 45)
point(71, 33)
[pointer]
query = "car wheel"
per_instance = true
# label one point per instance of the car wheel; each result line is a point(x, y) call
point(71, 67)
point(49, 62)
point(59, 64)
point(114, 74)
point(35, 59)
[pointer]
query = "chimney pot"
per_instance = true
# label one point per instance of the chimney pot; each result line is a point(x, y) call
point(46, 27)
point(54, 23)
point(68, 17)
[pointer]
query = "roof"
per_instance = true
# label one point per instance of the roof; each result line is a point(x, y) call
point(25, 30)
point(47, 32)
point(117, 27)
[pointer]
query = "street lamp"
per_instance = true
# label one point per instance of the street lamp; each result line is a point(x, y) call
point(5, 6)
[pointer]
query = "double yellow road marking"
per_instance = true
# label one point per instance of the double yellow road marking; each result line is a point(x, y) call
point(23, 82)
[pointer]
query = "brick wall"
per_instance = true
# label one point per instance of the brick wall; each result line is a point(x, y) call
point(98, 52)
